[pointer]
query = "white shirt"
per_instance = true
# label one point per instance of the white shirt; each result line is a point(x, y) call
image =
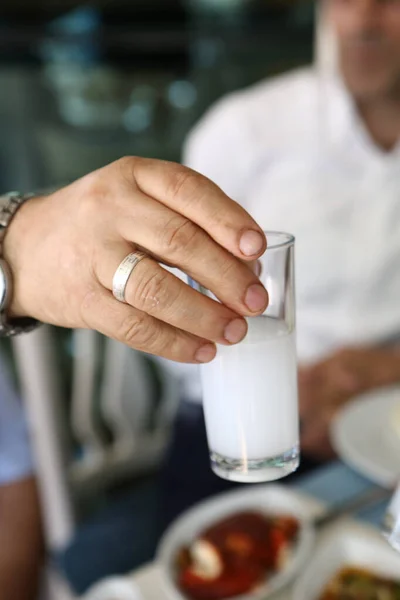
point(15, 455)
point(294, 153)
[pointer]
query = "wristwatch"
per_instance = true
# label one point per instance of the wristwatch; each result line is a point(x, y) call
point(9, 204)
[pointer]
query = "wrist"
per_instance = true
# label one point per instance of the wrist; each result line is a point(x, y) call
point(14, 251)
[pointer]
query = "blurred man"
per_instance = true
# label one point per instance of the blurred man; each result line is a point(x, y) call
point(316, 153)
point(21, 543)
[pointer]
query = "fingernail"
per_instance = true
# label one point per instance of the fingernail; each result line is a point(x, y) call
point(205, 353)
point(256, 298)
point(251, 243)
point(235, 331)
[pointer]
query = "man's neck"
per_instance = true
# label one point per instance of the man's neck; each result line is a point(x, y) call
point(381, 117)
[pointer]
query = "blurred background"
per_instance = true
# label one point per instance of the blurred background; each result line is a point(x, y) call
point(315, 153)
point(87, 83)
point(83, 84)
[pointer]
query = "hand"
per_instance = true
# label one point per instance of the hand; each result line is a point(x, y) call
point(64, 249)
point(326, 386)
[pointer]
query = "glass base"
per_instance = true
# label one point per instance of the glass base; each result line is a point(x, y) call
point(255, 471)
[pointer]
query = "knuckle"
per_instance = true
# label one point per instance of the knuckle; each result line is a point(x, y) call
point(179, 347)
point(151, 291)
point(231, 269)
point(126, 162)
point(101, 189)
point(126, 166)
point(139, 331)
point(94, 195)
point(180, 233)
point(184, 184)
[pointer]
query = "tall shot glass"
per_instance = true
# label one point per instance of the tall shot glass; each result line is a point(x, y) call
point(250, 390)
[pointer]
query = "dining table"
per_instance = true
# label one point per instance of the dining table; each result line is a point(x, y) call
point(327, 487)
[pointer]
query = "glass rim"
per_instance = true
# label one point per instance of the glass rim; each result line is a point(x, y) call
point(287, 239)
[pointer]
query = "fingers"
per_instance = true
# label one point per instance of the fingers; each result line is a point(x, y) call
point(141, 331)
point(157, 292)
point(315, 434)
point(345, 380)
point(178, 241)
point(201, 201)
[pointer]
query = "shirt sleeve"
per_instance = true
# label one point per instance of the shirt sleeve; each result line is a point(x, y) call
point(15, 454)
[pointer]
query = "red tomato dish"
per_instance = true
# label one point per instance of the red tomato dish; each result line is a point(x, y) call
point(236, 555)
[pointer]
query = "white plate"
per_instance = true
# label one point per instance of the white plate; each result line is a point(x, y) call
point(363, 436)
point(347, 544)
point(113, 588)
point(273, 499)
point(394, 426)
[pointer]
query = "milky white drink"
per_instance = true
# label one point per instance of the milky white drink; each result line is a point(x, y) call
point(250, 399)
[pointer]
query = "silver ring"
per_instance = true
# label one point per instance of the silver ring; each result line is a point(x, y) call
point(123, 273)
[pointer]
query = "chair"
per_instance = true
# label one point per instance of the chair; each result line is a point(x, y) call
point(136, 401)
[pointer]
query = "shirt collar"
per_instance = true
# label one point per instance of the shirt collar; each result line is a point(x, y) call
point(344, 126)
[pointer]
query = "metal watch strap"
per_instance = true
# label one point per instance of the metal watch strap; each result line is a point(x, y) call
point(10, 327)
point(13, 201)
point(9, 204)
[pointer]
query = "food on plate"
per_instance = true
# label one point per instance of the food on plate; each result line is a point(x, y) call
point(235, 555)
point(352, 583)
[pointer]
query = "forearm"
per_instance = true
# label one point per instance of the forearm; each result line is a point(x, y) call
point(385, 369)
point(21, 541)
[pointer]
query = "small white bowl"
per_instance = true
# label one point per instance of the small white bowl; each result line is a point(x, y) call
point(113, 588)
point(394, 425)
point(347, 544)
point(271, 499)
